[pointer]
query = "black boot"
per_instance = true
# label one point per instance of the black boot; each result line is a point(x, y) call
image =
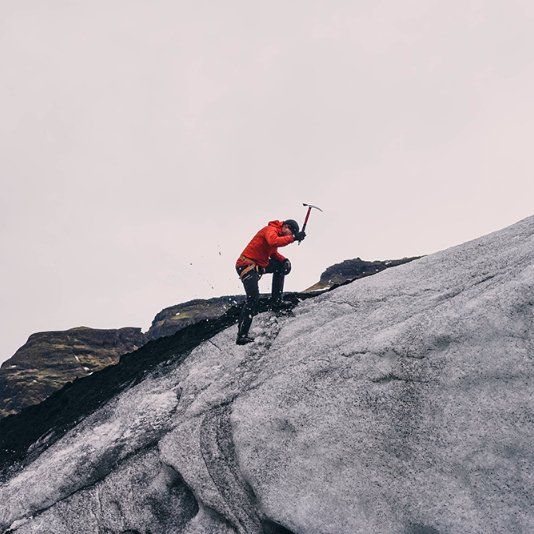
point(282, 308)
point(245, 320)
point(280, 305)
point(243, 340)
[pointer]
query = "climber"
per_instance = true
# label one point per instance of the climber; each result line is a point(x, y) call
point(259, 257)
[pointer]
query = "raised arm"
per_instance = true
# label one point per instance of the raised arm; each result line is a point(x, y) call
point(272, 237)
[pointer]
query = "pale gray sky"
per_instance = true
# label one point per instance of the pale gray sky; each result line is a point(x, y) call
point(142, 143)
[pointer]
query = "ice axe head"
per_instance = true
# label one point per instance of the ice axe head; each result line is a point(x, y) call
point(311, 206)
point(308, 213)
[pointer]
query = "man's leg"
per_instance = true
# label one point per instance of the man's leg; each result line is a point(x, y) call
point(250, 283)
point(277, 268)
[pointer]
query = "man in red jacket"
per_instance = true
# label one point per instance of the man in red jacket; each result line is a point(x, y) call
point(259, 257)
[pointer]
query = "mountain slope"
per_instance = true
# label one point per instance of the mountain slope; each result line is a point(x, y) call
point(401, 402)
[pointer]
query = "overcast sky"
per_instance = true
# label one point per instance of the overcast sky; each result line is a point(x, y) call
point(143, 143)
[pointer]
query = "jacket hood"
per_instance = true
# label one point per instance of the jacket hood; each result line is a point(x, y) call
point(277, 224)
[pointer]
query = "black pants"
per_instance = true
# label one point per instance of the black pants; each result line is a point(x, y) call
point(250, 282)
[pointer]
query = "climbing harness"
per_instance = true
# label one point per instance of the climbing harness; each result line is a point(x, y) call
point(251, 265)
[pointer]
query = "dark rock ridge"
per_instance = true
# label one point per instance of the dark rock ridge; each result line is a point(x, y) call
point(169, 320)
point(48, 360)
point(349, 270)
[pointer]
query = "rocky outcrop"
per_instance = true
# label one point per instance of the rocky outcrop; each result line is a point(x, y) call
point(401, 402)
point(48, 360)
point(350, 270)
point(169, 320)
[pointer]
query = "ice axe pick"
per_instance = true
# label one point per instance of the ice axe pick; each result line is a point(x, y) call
point(308, 215)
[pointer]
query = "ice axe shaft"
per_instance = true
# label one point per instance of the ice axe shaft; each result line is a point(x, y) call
point(310, 207)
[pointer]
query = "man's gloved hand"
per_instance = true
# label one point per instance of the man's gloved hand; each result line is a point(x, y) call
point(286, 268)
point(299, 236)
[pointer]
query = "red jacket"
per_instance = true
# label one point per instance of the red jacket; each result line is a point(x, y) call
point(265, 243)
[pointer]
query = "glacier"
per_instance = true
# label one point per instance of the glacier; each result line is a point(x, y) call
point(399, 403)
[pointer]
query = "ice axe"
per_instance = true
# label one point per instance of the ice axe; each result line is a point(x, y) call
point(308, 215)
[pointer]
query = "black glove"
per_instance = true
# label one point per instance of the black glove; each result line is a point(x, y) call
point(299, 236)
point(286, 267)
